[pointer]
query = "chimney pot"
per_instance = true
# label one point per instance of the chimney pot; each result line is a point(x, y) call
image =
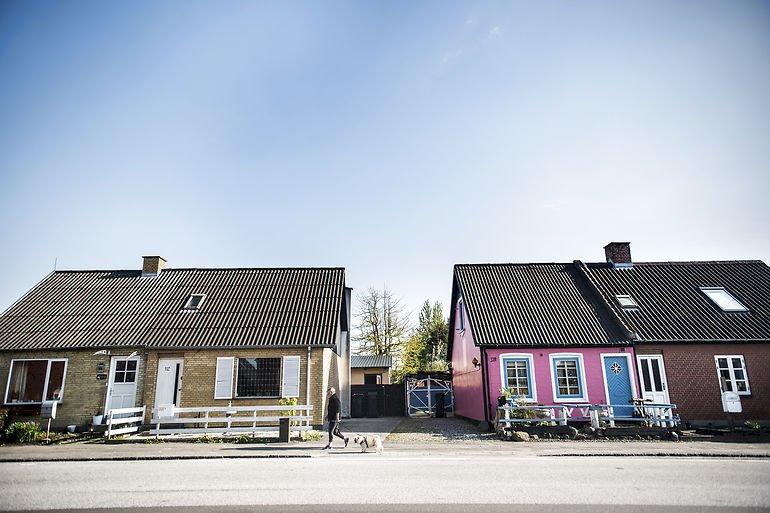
point(618, 254)
point(152, 265)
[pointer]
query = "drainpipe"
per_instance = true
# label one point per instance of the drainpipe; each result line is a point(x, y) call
point(484, 384)
point(307, 380)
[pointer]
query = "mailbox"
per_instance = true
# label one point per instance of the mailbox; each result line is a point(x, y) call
point(731, 402)
point(165, 411)
point(48, 410)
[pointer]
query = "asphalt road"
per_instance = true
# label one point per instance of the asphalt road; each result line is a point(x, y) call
point(368, 482)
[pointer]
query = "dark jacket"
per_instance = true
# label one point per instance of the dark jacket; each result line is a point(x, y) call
point(333, 408)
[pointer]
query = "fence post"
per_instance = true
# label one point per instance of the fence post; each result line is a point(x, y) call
point(563, 416)
point(594, 414)
point(430, 407)
point(109, 424)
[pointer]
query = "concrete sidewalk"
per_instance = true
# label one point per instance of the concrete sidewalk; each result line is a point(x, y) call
point(184, 450)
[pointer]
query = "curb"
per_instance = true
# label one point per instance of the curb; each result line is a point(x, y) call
point(657, 454)
point(159, 458)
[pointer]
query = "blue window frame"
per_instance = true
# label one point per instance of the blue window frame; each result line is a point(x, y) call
point(568, 377)
point(517, 376)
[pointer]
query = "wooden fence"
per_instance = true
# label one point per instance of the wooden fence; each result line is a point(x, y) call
point(229, 419)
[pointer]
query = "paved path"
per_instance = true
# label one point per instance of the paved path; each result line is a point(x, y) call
point(384, 480)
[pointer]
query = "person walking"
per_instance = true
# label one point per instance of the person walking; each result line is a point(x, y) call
point(333, 408)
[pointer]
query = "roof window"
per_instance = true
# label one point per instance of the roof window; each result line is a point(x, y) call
point(626, 301)
point(194, 302)
point(723, 299)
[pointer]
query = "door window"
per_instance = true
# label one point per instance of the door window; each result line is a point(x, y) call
point(125, 371)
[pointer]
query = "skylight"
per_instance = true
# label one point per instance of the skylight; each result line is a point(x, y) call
point(626, 301)
point(723, 299)
point(194, 302)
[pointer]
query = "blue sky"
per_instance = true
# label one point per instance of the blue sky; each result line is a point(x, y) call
point(392, 138)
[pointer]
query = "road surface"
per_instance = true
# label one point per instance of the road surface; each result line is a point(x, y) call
point(388, 483)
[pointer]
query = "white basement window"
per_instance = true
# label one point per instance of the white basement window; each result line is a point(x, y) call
point(723, 299)
point(194, 302)
point(626, 301)
point(35, 381)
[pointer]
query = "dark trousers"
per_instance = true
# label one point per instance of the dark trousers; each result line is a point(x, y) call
point(334, 430)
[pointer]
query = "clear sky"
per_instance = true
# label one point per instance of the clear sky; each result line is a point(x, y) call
point(392, 138)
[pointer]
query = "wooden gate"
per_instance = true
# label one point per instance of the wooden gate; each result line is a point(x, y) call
point(377, 401)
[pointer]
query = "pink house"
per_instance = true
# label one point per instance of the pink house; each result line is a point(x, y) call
point(540, 331)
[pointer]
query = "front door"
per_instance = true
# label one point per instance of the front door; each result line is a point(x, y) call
point(168, 387)
point(617, 379)
point(652, 376)
point(121, 389)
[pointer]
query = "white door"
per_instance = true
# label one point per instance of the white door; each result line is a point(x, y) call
point(168, 387)
point(652, 374)
point(121, 390)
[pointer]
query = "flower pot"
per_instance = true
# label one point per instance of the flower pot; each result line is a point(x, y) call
point(97, 420)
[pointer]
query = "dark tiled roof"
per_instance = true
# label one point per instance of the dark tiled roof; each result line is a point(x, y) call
point(362, 361)
point(673, 308)
point(243, 307)
point(534, 305)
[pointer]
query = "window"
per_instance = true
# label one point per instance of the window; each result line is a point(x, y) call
point(35, 381)
point(125, 371)
point(517, 375)
point(258, 377)
point(568, 381)
point(626, 301)
point(723, 299)
point(731, 371)
point(461, 314)
point(372, 379)
point(194, 302)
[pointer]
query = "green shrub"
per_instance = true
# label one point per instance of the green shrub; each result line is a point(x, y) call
point(3, 420)
point(753, 425)
point(23, 432)
point(312, 436)
point(208, 439)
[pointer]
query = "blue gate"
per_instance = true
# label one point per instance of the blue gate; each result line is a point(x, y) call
point(422, 395)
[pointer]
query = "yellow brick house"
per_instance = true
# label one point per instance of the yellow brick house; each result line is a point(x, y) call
point(194, 337)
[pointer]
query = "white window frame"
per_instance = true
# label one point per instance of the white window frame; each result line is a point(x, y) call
point(45, 384)
point(280, 378)
point(706, 290)
point(583, 398)
point(530, 362)
point(632, 306)
point(187, 304)
point(232, 374)
point(299, 376)
point(732, 372)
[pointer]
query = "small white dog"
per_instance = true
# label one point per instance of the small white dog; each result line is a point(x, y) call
point(368, 441)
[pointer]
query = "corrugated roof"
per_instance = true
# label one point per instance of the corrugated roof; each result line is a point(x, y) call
point(243, 308)
point(534, 305)
point(361, 361)
point(673, 308)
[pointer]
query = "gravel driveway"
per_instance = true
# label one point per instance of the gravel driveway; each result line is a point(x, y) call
point(426, 429)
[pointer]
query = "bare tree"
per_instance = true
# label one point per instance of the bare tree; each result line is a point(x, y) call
point(381, 323)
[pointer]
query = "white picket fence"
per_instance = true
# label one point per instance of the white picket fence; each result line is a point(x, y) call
point(229, 419)
point(660, 415)
point(129, 418)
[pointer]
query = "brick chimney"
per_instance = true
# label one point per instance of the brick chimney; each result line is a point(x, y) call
point(618, 254)
point(152, 265)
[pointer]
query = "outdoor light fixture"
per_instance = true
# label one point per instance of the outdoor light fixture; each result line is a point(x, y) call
point(475, 362)
point(101, 352)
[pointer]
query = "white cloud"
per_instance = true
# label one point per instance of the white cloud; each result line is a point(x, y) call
point(495, 32)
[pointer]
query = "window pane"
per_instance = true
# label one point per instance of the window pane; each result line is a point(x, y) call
point(738, 374)
point(259, 377)
point(722, 362)
point(567, 377)
point(55, 381)
point(120, 365)
point(130, 377)
point(27, 381)
point(656, 375)
point(724, 300)
point(741, 386)
point(646, 376)
point(120, 377)
point(737, 364)
point(131, 365)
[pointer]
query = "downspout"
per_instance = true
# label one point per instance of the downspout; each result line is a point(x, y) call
point(307, 379)
point(484, 371)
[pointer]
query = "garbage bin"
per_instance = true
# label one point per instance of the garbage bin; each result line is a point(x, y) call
point(283, 430)
point(440, 406)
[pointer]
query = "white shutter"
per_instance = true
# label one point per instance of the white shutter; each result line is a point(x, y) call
point(223, 388)
point(290, 380)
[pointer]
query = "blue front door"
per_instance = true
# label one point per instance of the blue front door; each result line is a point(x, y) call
point(618, 377)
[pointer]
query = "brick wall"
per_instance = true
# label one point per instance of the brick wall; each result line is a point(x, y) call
point(694, 386)
point(84, 394)
point(199, 377)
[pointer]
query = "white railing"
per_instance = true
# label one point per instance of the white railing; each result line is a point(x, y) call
point(122, 417)
point(660, 415)
point(229, 419)
point(509, 414)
